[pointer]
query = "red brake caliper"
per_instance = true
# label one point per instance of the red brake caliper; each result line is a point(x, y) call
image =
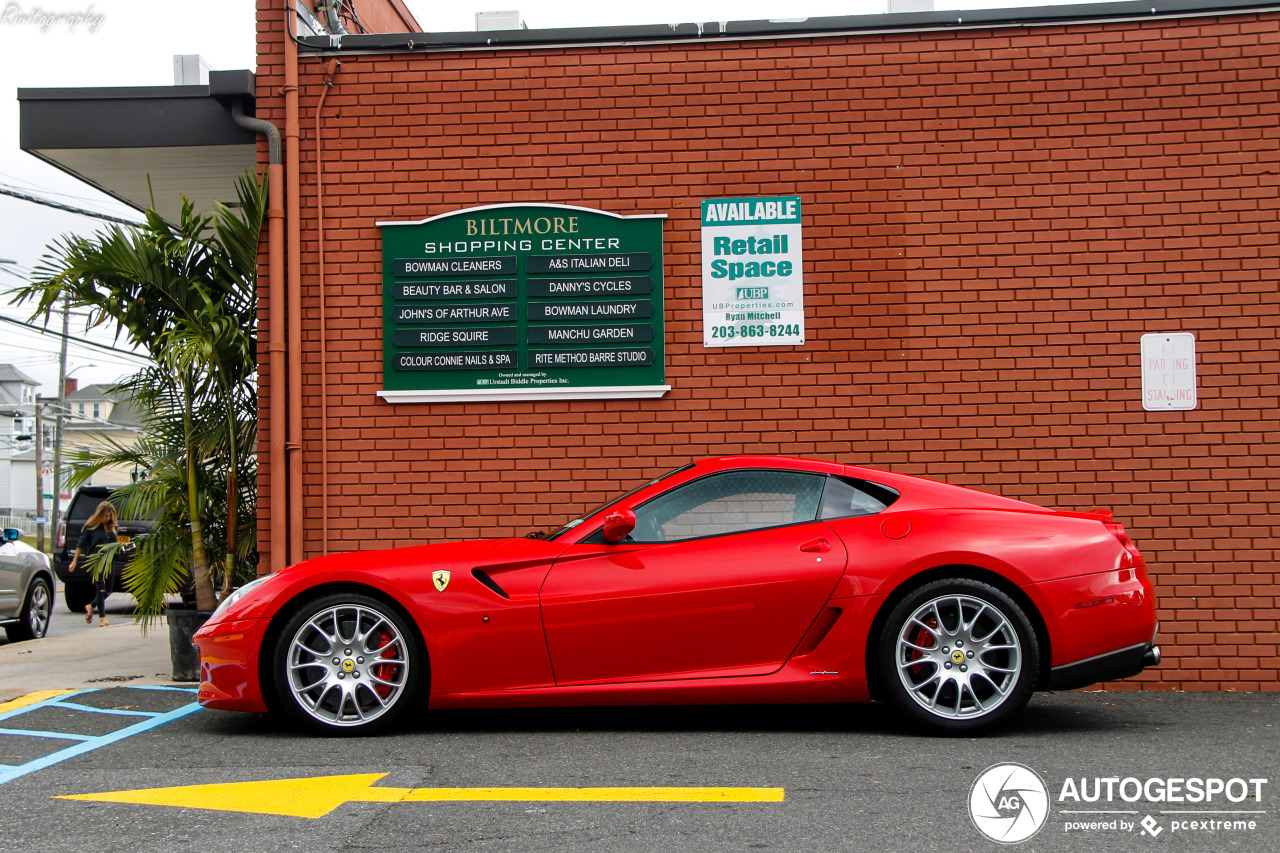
point(385, 671)
point(924, 639)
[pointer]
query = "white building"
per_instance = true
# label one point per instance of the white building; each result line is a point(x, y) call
point(17, 441)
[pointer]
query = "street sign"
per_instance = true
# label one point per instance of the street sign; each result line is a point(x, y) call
point(1168, 372)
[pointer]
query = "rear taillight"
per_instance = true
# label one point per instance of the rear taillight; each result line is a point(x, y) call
point(62, 534)
point(1133, 557)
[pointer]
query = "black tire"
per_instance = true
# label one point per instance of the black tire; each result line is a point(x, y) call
point(36, 611)
point(953, 677)
point(359, 685)
point(78, 596)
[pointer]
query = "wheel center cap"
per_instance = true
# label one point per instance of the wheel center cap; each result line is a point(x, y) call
point(348, 665)
point(957, 656)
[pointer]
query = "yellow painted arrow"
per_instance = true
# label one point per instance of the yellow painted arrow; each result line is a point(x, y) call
point(315, 797)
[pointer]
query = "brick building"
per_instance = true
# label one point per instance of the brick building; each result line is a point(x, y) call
point(997, 206)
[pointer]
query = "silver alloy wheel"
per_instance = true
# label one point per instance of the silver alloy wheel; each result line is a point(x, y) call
point(958, 656)
point(348, 665)
point(38, 610)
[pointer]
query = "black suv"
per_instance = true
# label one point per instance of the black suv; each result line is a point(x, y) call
point(78, 586)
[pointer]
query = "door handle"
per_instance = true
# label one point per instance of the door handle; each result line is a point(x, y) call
point(816, 546)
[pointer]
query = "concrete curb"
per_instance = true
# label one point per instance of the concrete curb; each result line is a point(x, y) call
point(119, 655)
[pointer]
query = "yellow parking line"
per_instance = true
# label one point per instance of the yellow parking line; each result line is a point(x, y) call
point(31, 699)
point(579, 795)
point(317, 796)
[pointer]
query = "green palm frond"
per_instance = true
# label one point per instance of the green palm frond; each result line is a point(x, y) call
point(185, 292)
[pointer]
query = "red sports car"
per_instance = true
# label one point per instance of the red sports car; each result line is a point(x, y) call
point(751, 579)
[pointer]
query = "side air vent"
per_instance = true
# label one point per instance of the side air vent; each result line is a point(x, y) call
point(818, 631)
point(489, 582)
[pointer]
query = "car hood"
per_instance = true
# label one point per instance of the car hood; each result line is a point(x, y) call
point(478, 552)
point(20, 548)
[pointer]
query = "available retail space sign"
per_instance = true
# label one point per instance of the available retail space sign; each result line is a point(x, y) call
point(520, 302)
point(1169, 372)
point(752, 272)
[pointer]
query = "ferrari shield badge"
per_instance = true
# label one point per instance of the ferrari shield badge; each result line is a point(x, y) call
point(440, 579)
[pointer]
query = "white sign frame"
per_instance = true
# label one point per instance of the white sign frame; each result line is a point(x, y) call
point(752, 272)
point(1169, 372)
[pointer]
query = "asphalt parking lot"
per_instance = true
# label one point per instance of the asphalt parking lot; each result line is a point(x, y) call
point(852, 777)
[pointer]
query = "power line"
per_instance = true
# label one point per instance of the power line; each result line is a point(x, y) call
point(67, 207)
point(20, 183)
point(32, 341)
point(36, 341)
point(83, 341)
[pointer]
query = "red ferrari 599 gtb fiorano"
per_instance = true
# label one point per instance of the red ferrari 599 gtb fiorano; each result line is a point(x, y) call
point(752, 579)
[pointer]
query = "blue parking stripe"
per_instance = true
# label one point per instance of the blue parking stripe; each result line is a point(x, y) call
point(75, 706)
point(88, 742)
point(43, 703)
point(38, 733)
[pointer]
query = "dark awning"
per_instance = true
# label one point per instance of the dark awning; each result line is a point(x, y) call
point(182, 137)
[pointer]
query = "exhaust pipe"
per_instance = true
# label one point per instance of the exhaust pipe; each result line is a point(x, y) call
point(1152, 657)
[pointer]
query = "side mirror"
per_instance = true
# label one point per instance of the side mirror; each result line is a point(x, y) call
point(13, 534)
point(618, 524)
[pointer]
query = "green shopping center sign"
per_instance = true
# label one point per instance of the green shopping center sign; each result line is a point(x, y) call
point(523, 301)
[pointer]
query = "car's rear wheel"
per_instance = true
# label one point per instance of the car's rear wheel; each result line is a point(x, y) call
point(959, 656)
point(36, 610)
point(78, 596)
point(347, 664)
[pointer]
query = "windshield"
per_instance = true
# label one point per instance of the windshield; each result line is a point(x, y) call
point(572, 524)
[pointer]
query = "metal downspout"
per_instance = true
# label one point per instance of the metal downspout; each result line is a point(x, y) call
point(276, 341)
point(330, 69)
point(293, 207)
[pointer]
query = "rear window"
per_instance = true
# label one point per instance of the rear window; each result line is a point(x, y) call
point(845, 497)
point(83, 506)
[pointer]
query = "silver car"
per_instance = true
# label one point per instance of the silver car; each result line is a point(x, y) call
point(26, 588)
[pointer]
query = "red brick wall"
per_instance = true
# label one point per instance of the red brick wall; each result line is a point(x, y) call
point(992, 220)
point(385, 16)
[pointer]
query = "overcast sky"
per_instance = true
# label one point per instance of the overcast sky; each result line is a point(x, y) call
point(132, 43)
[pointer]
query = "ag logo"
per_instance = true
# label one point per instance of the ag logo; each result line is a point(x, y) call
point(1009, 803)
point(440, 579)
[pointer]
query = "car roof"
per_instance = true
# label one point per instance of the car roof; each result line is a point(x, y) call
point(924, 490)
point(726, 463)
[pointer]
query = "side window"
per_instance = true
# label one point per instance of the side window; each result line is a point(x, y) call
point(850, 498)
point(729, 503)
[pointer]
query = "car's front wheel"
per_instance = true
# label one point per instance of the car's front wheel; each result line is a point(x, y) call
point(959, 656)
point(347, 664)
point(36, 610)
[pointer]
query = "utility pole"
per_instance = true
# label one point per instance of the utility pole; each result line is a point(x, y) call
point(62, 407)
point(39, 475)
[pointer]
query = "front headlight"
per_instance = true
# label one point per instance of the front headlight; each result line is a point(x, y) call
point(236, 595)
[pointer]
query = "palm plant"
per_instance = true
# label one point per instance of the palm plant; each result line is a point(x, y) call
point(161, 561)
point(186, 293)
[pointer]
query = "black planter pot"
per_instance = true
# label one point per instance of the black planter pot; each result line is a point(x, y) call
point(183, 624)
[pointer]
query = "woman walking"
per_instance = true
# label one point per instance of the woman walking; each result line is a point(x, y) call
point(99, 530)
